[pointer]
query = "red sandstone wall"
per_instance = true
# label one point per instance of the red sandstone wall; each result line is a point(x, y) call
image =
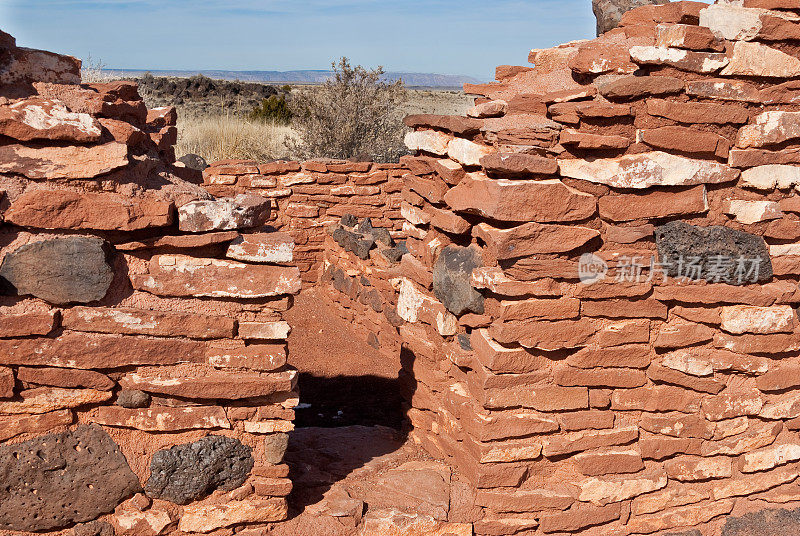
point(618, 407)
point(623, 406)
point(162, 325)
point(310, 196)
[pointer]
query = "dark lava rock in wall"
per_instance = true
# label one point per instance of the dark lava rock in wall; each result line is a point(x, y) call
point(452, 280)
point(194, 161)
point(188, 472)
point(716, 254)
point(358, 244)
point(64, 270)
point(94, 528)
point(57, 480)
point(609, 12)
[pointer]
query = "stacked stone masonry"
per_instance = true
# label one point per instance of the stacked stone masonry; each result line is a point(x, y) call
point(143, 380)
point(310, 196)
point(593, 278)
point(643, 398)
point(660, 396)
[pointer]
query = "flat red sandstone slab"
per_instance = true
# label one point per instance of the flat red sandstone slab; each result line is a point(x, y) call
point(84, 351)
point(508, 200)
point(180, 242)
point(180, 275)
point(162, 419)
point(24, 324)
point(212, 384)
point(37, 118)
point(70, 162)
point(63, 209)
point(143, 322)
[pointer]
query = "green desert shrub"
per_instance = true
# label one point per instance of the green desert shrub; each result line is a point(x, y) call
point(273, 109)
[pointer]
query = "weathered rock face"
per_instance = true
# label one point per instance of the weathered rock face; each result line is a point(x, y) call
point(241, 212)
point(133, 399)
point(188, 472)
point(716, 254)
point(38, 118)
point(62, 209)
point(452, 280)
point(609, 12)
point(73, 162)
point(61, 270)
point(648, 169)
point(26, 66)
point(508, 200)
point(262, 247)
point(56, 480)
point(180, 275)
point(207, 518)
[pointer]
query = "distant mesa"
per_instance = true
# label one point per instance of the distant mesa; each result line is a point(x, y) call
point(303, 77)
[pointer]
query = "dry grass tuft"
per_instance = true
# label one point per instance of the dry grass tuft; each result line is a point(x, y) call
point(232, 137)
point(94, 71)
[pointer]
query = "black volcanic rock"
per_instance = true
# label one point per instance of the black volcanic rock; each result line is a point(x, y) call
point(56, 480)
point(716, 254)
point(185, 473)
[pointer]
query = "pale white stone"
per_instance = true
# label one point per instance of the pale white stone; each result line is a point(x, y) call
point(602, 492)
point(732, 22)
point(155, 520)
point(429, 141)
point(241, 212)
point(785, 250)
point(770, 128)
point(755, 59)
point(467, 152)
point(747, 486)
point(731, 427)
point(410, 301)
point(413, 231)
point(414, 215)
point(684, 361)
point(267, 249)
point(646, 170)
point(740, 319)
point(264, 330)
point(209, 517)
point(712, 61)
point(782, 408)
point(770, 457)
point(268, 427)
point(749, 212)
point(488, 109)
point(771, 176)
point(39, 118)
point(446, 323)
point(550, 59)
point(293, 179)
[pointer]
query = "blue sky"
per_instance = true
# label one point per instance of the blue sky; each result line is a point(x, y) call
point(466, 37)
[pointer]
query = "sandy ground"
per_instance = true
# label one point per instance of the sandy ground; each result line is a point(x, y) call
point(343, 380)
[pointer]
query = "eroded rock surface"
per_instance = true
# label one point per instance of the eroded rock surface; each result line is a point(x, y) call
point(60, 479)
point(60, 271)
point(716, 254)
point(452, 276)
point(186, 473)
point(241, 212)
point(610, 12)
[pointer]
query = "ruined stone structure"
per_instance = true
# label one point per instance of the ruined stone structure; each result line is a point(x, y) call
point(592, 281)
point(143, 378)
